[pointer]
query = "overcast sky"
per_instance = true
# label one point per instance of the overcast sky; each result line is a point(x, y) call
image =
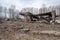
point(28, 3)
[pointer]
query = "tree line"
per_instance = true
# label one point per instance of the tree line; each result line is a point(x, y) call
point(11, 13)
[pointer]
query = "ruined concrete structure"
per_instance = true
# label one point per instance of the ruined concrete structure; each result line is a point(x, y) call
point(26, 15)
point(29, 16)
point(35, 17)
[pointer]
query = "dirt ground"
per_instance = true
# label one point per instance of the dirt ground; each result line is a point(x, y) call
point(18, 30)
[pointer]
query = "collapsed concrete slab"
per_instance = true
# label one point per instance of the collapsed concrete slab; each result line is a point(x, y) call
point(55, 33)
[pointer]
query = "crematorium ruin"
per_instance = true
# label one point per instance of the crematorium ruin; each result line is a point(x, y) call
point(48, 16)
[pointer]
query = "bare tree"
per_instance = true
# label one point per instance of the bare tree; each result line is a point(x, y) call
point(1, 14)
point(30, 9)
point(0, 11)
point(17, 14)
point(44, 8)
point(5, 11)
point(40, 10)
point(58, 10)
point(11, 11)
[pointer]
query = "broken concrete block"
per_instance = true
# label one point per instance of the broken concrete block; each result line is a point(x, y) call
point(25, 30)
